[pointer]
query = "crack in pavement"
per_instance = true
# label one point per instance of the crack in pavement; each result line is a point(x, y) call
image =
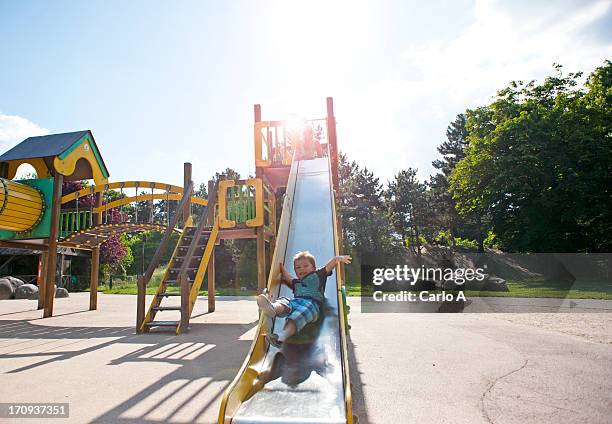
point(491, 385)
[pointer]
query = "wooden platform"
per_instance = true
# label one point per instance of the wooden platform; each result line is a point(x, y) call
point(94, 236)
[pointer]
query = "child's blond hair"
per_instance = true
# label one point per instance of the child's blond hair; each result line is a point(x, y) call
point(305, 254)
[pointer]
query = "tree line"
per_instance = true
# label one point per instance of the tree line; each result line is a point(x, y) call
point(529, 172)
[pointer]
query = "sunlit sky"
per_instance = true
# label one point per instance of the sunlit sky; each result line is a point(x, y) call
point(163, 82)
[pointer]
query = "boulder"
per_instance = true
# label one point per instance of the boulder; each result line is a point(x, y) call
point(496, 284)
point(16, 282)
point(6, 289)
point(61, 292)
point(26, 291)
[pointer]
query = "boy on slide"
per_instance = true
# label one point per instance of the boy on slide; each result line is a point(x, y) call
point(309, 295)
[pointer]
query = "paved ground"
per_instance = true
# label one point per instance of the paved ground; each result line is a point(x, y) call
point(425, 368)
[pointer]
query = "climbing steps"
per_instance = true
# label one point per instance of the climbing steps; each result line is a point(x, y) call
point(185, 273)
point(191, 256)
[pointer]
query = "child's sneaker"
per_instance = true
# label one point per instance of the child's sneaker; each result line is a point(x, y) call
point(273, 340)
point(266, 306)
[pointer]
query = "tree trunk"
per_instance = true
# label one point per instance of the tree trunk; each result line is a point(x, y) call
point(480, 236)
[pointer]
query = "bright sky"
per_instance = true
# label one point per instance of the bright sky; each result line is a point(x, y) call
point(163, 82)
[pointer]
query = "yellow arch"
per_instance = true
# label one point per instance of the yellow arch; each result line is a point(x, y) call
point(85, 151)
point(38, 163)
point(121, 184)
point(145, 197)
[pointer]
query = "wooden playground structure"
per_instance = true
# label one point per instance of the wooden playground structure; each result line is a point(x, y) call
point(36, 215)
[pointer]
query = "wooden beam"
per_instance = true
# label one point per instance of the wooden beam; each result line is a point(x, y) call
point(98, 201)
point(239, 233)
point(61, 268)
point(261, 260)
point(186, 183)
point(261, 242)
point(140, 304)
point(93, 279)
point(257, 118)
point(333, 141)
point(19, 245)
point(50, 271)
point(182, 278)
point(95, 262)
point(211, 262)
point(76, 246)
point(42, 280)
point(211, 282)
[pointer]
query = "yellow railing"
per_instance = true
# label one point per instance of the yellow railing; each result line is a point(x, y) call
point(121, 185)
point(273, 144)
point(241, 202)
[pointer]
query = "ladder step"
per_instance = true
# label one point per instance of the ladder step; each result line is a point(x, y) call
point(164, 294)
point(178, 269)
point(176, 281)
point(167, 308)
point(203, 235)
point(162, 323)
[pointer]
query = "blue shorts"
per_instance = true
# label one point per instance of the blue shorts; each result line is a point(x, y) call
point(301, 311)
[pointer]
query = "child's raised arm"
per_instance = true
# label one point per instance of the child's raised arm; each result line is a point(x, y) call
point(345, 259)
point(286, 278)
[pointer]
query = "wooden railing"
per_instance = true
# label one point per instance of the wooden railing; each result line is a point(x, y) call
point(144, 279)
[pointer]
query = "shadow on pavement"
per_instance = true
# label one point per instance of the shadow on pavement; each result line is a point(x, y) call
point(360, 409)
point(208, 358)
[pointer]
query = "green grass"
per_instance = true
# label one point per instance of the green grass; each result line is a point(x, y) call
point(528, 289)
point(127, 285)
point(550, 289)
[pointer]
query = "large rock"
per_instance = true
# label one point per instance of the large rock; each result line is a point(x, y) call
point(26, 291)
point(16, 282)
point(6, 289)
point(61, 292)
point(496, 284)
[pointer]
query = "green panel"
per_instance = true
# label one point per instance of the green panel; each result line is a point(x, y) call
point(42, 229)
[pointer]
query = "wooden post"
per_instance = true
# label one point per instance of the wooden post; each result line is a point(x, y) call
point(61, 268)
point(42, 286)
point(50, 271)
point(95, 262)
point(211, 262)
point(211, 282)
point(184, 301)
point(273, 225)
point(186, 182)
point(333, 141)
point(257, 118)
point(261, 242)
point(257, 113)
point(261, 260)
point(140, 304)
point(93, 278)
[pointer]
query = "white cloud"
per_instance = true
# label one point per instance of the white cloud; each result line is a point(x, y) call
point(14, 129)
point(410, 109)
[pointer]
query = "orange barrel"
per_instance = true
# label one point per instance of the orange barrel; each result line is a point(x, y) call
point(21, 206)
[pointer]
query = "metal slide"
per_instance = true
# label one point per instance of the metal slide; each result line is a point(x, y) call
point(306, 381)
